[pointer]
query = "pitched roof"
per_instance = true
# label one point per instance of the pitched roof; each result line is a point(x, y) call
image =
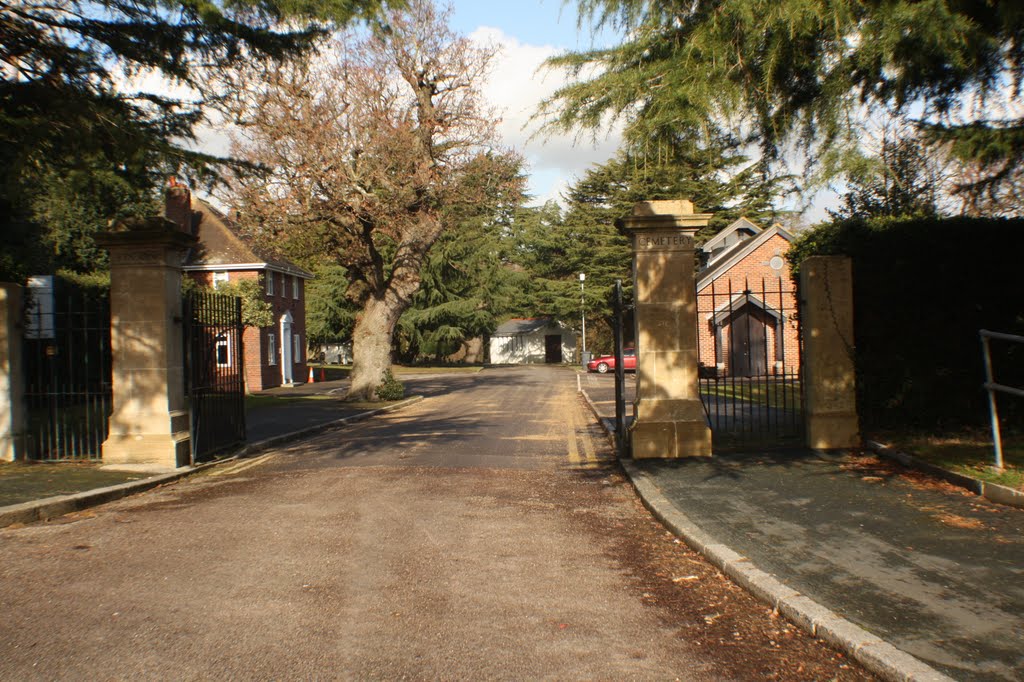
point(738, 253)
point(739, 224)
point(522, 326)
point(221, 247)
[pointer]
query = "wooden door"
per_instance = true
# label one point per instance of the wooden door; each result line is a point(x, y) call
point(747, 356)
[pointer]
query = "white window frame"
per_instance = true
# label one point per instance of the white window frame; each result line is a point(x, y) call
point(222, 341)
point(296, 349)
point(271, 349)
point(295, 287)
point(220, 277)
point(269, 282)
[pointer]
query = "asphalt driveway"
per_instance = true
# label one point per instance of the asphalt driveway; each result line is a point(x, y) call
point(482, 533)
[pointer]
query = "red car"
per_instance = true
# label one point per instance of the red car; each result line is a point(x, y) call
point(604, 363)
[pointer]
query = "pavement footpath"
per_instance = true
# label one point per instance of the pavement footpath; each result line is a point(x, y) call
point(916, 578)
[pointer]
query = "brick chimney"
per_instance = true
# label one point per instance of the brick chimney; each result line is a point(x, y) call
point(178, 205)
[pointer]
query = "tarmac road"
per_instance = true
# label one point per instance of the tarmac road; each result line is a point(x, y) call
point(479, 534)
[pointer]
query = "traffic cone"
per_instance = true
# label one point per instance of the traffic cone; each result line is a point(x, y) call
point(311, 379)
point(322, 375)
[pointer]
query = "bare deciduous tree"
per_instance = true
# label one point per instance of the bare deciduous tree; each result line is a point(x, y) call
point(371, 150)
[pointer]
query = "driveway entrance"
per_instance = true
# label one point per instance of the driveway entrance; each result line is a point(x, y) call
point(479, 534)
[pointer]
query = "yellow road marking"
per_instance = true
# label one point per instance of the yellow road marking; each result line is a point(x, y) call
point(406, 436)
point(588, 444)
point(243, 465)
point(574, 453)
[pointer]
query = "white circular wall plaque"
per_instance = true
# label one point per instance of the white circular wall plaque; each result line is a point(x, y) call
point(776, 263)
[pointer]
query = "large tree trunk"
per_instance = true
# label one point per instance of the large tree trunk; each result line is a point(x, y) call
point(371, 345)
point(375, 327)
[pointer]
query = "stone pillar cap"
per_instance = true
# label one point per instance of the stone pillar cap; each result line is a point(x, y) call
point(663, 207)
point(146, 231)
point(663, 213)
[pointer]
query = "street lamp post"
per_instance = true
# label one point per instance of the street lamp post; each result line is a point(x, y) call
point(583, 311)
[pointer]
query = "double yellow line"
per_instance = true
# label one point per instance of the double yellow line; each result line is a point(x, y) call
point(589, 456)
point(242, 465)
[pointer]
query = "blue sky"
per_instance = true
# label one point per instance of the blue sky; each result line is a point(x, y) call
point(537, 22)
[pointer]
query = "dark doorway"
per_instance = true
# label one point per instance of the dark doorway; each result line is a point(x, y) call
point(553, 349)
point(747, 356)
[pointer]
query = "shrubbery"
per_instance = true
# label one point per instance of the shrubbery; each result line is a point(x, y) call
point(922, 290)
point(391, 388)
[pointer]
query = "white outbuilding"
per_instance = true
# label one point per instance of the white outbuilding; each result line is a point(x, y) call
point(533, 340)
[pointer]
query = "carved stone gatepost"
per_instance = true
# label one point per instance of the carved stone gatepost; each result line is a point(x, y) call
point(670, 420)
point(149, 427)
point(826, 309)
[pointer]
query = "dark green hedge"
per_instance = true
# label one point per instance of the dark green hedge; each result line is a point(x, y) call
point(922, 290)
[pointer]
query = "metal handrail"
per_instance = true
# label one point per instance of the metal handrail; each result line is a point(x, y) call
point(992, 387)
point(1001, 336)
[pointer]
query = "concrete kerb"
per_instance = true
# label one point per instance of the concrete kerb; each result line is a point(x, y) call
point(53, 507)
point(878, 656)
point(874, 653)
point(993, 492)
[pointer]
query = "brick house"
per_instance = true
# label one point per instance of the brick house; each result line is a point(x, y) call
point(273, 356)
point(746, 304)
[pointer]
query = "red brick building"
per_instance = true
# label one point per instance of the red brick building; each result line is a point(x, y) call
point(746, 304)
point(275, 355)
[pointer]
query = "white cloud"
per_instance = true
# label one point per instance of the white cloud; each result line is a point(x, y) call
point(517, 85)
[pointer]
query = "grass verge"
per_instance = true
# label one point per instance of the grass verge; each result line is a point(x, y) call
point(970, 453)
point(262, 401)
point(777, 393)
point(400, 370)
point(257, 401)
point(23, 482)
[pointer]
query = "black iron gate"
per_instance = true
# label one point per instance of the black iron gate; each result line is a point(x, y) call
point(67, 361)
point(748, 341)
point(214, 369)
point(618, 330)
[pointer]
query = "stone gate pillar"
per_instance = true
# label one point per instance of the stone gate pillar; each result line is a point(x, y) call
point(670, 420)
point(826, 309)
point(149, 427)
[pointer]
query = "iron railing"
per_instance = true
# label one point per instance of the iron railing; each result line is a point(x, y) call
point(749, 354)
point(214, 372)
point(68, 377)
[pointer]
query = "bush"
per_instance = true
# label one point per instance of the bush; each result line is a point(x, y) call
point(391, 388)
point(922, 290)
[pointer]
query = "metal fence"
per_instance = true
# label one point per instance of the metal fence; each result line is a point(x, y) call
point(214, 370)
point(68, 377)
point(749, 353)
